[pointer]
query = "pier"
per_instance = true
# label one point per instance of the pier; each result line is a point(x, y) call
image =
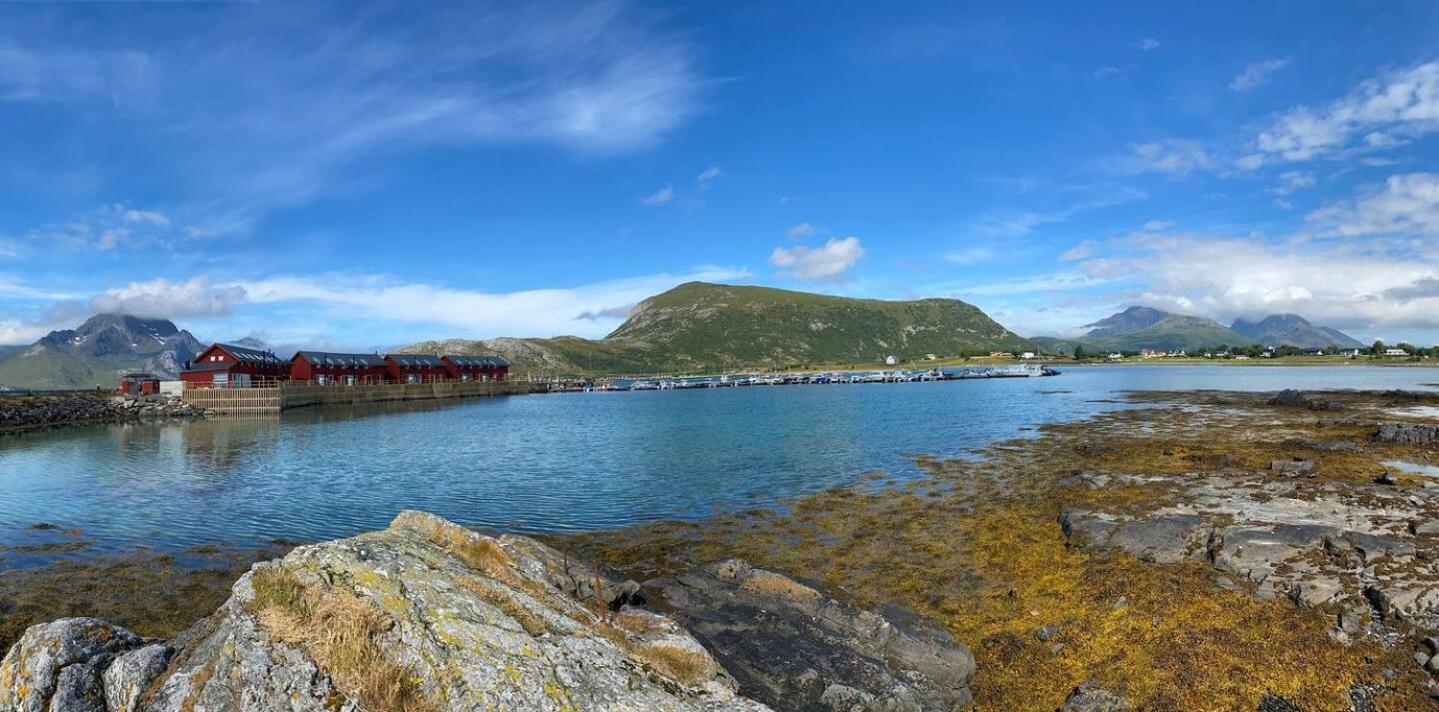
point(284, 396)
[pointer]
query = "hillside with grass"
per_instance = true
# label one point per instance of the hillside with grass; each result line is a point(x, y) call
point(700, 327)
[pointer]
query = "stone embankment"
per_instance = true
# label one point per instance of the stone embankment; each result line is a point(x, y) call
point(427, 615)
point(41, 411)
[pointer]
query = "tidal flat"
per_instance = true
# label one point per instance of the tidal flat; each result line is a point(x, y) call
point(1197, 550)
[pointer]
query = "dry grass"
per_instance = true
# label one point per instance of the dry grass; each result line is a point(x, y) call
point(686, 666)
point(532, 622)
point(341, 633)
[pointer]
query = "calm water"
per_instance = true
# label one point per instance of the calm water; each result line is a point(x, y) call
point(548, 462)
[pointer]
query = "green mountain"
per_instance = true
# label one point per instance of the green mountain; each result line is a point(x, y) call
point(1293, 330)
point(98, 352)
point(699, 327)
point(1138, 328)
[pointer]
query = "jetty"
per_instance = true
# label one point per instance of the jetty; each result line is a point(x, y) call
point(746, 380)
point(284, 396)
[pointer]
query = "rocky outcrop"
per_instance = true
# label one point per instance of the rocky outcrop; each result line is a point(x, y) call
point(427, 615)
point(1090, 697)
point(792, 647)
point(1408, 433)
point(42, 411)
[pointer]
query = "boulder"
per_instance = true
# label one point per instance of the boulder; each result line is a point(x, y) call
point(424, 615)
point(794, 648)
point(1090, 697)
point(1295, 466)
point(1408, 433)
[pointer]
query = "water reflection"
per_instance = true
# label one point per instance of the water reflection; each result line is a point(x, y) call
point(544, 462)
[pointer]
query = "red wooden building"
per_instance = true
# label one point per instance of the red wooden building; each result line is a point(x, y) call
point(415, 368)
point(348, 369)
point(230, 366)
point(139, 384)
point(476, 368)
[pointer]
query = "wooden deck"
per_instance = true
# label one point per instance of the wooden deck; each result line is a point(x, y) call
point(285, 396)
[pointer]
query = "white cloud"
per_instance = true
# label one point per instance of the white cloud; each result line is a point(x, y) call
point(1257, 74)
point(971, 255)
point(820, 263)
point(1148, 43)
point(410, 310)
point(161, 298)
point(1155, 225)
point(1291, 181)
point(223, 88)
point(1056, 282)
point(1177, 157)
point(1405, 205)
point(1106, 72)
point(1392, 108)
point(1078, 252)
point(1341, 284)
point(708, 176)
point(659, 197)
point(116, 226)
point(803, 229)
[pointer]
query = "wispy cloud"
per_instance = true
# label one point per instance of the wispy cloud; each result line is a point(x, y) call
point(971, 255)
point(1380, 113)
point(1148, 44)
point(1257, 74)
point(707, 176)
point(803, 229)
point(161, 298)
point(1291, 181)
point(659, 197)
point(260, 106)
point(1176, 157)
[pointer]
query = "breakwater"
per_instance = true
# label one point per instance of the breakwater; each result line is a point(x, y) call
point(27, 412)
point(257, 401)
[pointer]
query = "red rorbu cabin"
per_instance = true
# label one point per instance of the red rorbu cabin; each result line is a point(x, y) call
point(476, 368)
point(230, 366)
point(414, 368)
point(139, 384)
point(347, 369)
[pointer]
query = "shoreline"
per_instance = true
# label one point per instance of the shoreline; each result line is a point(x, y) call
point(981, 546)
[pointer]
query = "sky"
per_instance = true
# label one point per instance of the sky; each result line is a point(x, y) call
point(362, 174)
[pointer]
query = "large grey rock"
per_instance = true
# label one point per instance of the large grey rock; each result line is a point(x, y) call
point(452, 619)
point(1164, 540)
point(795, 648)
point(1408, 433)
point(61, 661)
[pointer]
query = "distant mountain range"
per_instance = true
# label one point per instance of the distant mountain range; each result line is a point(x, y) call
point(699, 327)
point(98, 352)
point(1138, 328)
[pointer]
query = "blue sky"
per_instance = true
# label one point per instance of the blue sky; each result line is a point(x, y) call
point(357, 175)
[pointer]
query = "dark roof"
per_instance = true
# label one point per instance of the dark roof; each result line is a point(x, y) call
point(149, 376)
point(250, 355)
point(211, 366)
point(478, 361)
point(325, 358)
point(416, 361)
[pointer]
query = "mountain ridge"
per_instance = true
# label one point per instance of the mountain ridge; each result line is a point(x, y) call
point(701, 327)
point(98, 351)
point(1140, 327)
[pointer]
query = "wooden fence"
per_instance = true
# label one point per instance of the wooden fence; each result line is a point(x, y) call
point(298, 395)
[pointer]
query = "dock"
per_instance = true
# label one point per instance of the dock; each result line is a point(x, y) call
point(285, 396)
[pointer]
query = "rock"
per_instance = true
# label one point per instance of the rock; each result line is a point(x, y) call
point(1385, 478)
point(1421, 658)
point(1276, 703)
point(1408, 433)
point(1165, 540)
point(1047, 632)
point(1090, 697)
point(1296, 466)
point(1290, 398)
point(424, 613)
point(130, 673)
point(792, 647)
point(61, 660)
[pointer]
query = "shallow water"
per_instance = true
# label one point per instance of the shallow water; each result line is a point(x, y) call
point(557, 462)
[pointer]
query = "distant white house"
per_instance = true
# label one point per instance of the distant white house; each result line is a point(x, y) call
point(931, 357)
point(1027, 355)
point(1395, 352)
point(1349, 353)
point(1115, 356)
point(891, 361)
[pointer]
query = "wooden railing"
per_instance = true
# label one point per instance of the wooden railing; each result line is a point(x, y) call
point(300, 394)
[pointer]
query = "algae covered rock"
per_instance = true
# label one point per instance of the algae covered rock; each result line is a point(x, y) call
point(798, 649)
point(425, 615)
